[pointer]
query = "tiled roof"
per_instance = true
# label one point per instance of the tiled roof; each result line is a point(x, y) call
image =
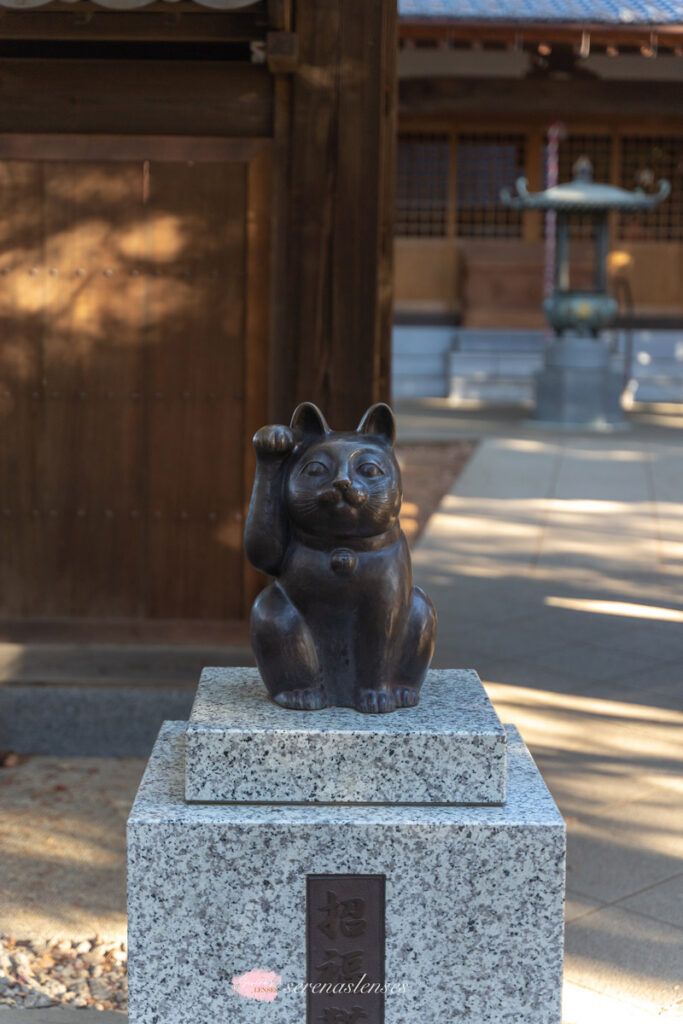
point(618, 12)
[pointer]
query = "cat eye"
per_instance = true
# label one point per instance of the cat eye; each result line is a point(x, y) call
point(369, 469)
point(314, 469)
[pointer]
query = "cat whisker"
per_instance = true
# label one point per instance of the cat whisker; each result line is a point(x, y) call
point(307, 507)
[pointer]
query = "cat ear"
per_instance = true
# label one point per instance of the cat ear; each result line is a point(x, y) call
point(379, 419)
point(308, 421)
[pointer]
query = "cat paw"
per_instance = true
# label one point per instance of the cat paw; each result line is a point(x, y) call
point(274, 441)
point(406, 696)
point(376, 702)
point(301, 700)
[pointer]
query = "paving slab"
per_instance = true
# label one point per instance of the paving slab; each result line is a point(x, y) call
point(606, 867)
point(577, 906)
point(506, 640)
point(590, 662)
point(623, 474)
point(664, 902)
point(578, 734)
point(663, 697)
point(519, 673)
point(657, 641)
point(583, 1005)
point(626, 956)
point(652, 822)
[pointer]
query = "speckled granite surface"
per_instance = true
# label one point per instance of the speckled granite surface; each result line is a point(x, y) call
point(241, 746)
point(473, 909)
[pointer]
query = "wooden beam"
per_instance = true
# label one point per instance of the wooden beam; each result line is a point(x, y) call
point(335, 210)
point(170, 25)
point(126, 148)
point(539, 98)
point(141, 97)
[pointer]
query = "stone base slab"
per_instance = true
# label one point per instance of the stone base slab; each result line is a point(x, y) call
point(473, 900)
point(242, 747)
point(576, 396)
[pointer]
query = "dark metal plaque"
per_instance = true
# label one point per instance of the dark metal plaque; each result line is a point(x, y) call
point(345, 949)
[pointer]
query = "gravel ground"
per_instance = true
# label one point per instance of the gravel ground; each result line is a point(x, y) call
point(62, 880)
point(60, 972)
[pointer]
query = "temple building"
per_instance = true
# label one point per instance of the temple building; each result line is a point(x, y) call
point(483, 88)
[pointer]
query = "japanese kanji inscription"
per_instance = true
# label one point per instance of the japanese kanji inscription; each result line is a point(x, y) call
point(345, 949)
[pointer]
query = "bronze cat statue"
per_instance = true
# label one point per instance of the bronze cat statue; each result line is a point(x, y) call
point(342, 625)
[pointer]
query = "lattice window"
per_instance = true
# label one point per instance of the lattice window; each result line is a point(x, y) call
point(598, 149)
point(644, 160)
point(487, 163)
point(422, 184)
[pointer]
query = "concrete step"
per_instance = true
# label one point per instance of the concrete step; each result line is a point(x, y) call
point(499, 341)
point(419, 386)
point(659, 344)
point(494, 364)
point(419, 364)
point(88, 721)
point(491, 366)
point(657, 366)
point(492, 391)
point(425, 364)
point(113, 664)
point(426, 340)
point(657, 369)
point(653, 391)
point(99, 700)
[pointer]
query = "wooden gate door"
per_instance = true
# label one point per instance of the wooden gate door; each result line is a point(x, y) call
point(133, 355)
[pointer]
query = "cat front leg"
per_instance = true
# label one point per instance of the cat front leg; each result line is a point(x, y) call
point(374, 655)
point(416, 652)
point(285, 652)
point(265, 535)
point(393, 657)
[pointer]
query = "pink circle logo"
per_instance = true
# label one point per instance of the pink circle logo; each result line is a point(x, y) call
point(257, 984)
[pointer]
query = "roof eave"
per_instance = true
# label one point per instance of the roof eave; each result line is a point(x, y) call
point(436, 26)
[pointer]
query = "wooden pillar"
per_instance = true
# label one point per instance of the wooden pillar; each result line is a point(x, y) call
point(335, 151)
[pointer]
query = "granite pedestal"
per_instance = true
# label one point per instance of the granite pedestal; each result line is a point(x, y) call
point(243, 748)
point(217, 886)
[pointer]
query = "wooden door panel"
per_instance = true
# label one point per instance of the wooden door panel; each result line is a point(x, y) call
point(195, 367)
point(122, 386)
point(21, 413)
point(92, 377)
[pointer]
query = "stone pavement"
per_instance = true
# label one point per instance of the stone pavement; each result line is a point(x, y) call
point(556, 564)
